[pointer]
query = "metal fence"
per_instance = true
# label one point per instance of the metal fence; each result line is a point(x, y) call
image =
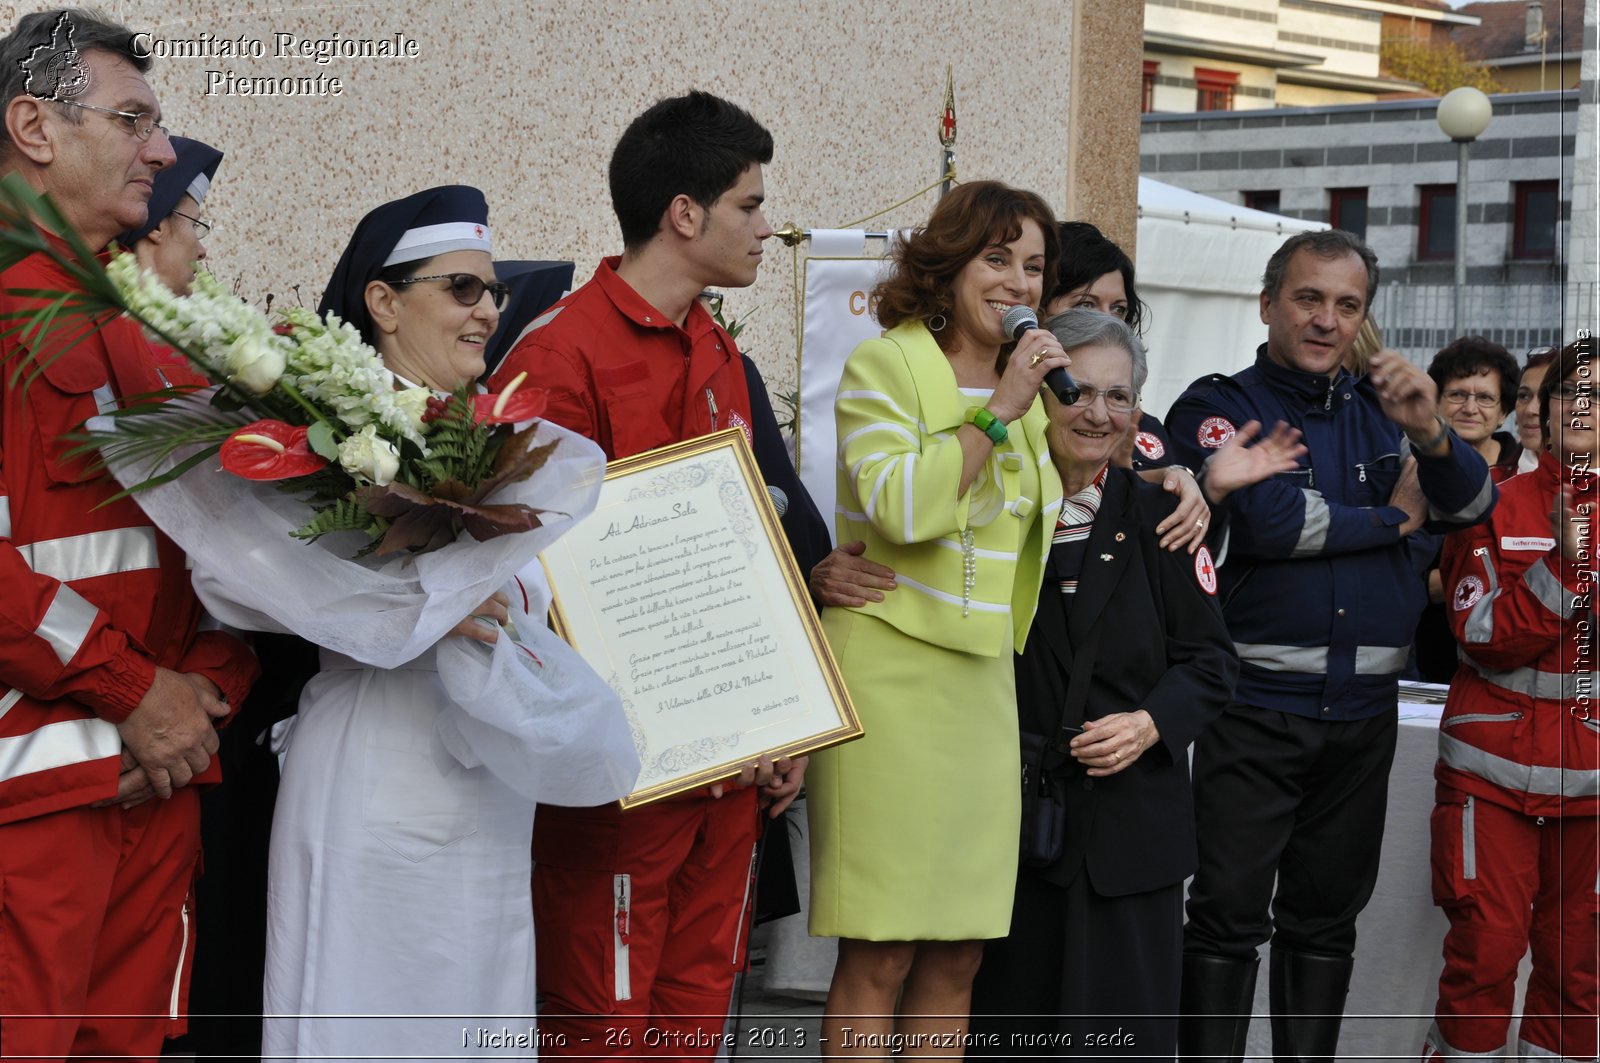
point(1419, 319)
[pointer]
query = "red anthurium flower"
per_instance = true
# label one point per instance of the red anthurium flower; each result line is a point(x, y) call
point(512, 406)
point(270, 450)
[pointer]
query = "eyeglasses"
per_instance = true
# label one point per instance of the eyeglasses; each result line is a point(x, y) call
point(1118, 400)
point(202, 229)
point(1460, 397)
point(1567, 391)
point(467, 288)
point(141, 124)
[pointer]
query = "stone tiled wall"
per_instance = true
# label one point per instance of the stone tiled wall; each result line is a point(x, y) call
point(525, 100)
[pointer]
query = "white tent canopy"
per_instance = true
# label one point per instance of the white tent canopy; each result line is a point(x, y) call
point(1199, 269)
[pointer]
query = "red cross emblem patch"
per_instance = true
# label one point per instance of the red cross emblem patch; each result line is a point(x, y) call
point(1204, 571)
point(1468, 591)
point(477, 230)
point(1215, 431)
point(1149, 445)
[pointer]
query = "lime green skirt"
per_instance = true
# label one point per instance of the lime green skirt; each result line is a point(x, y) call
point(914, 826)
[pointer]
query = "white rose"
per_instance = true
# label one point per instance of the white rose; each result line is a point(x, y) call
point(368, 457)
point(253, 363)
point(413, 402)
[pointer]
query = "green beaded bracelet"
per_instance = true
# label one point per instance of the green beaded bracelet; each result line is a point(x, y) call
point(988, 424)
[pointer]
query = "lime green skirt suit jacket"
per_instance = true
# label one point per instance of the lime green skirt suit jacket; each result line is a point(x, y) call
point(914, 826)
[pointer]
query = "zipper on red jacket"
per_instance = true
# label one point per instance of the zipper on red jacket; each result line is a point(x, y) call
point(744, 905)
point(622, 918)
point(1483, 717)
point(183, 952)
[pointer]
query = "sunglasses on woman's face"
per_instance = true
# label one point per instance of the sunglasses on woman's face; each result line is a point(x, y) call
point(467, 288)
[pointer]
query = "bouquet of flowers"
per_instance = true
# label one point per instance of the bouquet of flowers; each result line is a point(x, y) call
point(313, 495)
point(324, 418)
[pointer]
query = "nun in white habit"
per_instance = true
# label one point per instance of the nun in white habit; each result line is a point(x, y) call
point(399, 877)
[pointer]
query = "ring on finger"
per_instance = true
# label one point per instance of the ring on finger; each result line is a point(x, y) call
point(1035, 360)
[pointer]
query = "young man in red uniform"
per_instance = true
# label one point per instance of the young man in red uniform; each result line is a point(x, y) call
point(107, 693)
point(1517, 813)
point(641, 915)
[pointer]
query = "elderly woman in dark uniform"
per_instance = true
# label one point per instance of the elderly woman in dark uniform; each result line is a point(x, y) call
point(1127, 661)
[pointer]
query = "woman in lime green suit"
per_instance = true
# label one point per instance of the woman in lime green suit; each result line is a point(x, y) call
point(945, 475)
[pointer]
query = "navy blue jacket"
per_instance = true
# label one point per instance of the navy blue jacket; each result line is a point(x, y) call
point(1319, 590)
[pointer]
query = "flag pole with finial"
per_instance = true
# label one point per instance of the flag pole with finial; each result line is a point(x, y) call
point(947, 134)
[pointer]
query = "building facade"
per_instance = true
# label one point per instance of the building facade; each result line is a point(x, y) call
point(1242, 55)
point(1385, 171)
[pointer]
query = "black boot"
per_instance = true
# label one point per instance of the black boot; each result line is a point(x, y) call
point(1307, 993)
point(1214, 1006)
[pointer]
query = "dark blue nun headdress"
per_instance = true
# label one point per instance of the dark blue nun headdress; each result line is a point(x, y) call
point(191, 175)
point(433, 222)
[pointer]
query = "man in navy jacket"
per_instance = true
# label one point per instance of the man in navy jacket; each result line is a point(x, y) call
point(1321, 601)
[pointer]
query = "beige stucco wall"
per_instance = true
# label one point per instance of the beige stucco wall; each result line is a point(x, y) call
point(525, 99)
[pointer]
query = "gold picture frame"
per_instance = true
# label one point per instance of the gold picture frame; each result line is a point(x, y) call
point(681, 592)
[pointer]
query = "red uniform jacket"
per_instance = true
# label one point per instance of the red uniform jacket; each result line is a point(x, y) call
point(625, 376)
point(1522, 724)
point(95, 597)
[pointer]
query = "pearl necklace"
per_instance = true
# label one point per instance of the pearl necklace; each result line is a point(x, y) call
point(969, 571)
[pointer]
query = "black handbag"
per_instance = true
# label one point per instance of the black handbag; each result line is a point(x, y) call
point(1044, 807)
point(1044, 792)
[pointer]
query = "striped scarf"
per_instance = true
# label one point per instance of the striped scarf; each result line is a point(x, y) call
point(1071, 539)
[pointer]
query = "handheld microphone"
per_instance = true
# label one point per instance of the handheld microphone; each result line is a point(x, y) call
point(1020, 319)
point(780, 500)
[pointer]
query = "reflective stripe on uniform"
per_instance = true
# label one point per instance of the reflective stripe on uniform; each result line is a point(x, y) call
point(56, 745)
point(100, 553)
point(1447, 1053)
point(1521, 778)
point(5, 517)
point(1370, 660)
point(1548, 589)
point(1314, 530)
point(66, 623)
point(535, 325)
point(1530, 682)
point(105, 400)
point(1480, 619)
point(1529, 1050)
point(1472, 511)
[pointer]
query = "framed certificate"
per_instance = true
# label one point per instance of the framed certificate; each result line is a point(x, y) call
point(681, 592)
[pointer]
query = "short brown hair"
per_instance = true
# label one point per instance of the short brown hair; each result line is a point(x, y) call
point(972, 217)
point(1471, 355)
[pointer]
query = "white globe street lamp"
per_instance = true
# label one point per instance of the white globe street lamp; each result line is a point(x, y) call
point(1463, 115)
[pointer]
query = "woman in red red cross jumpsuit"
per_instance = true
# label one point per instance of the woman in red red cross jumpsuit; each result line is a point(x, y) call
point(1517, 811)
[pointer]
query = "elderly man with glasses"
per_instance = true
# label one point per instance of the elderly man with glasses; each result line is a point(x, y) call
point(108, 693)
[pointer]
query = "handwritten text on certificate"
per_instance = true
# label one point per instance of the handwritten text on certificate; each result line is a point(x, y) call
point(681, 594)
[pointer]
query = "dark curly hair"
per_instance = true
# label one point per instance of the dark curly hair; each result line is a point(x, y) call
point(1471, 355)
point(1087, 254)
point(972, 217)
